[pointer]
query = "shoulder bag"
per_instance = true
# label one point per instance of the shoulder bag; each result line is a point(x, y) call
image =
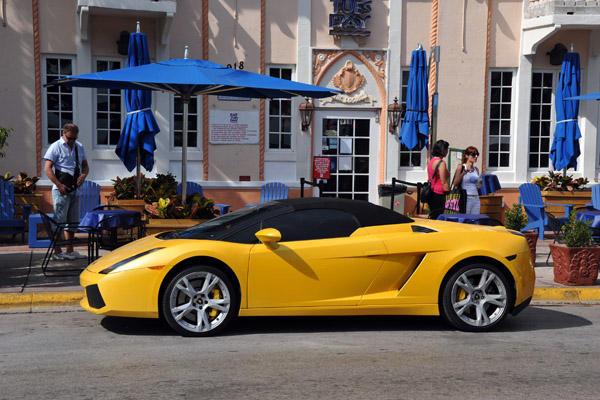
point(427, 190)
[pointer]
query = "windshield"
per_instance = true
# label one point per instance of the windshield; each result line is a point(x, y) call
point(218, 227)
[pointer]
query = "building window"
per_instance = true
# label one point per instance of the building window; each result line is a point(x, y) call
point(58, 101)
point(192, 122)
point(408, 158)
point(109, 108)
point(540, 119)
point(280, 115)
point(500, 118)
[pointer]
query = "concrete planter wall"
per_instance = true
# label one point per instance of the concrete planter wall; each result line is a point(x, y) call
point(575, 266)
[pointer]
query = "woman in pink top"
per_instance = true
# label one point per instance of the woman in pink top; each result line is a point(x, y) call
point(439, 182)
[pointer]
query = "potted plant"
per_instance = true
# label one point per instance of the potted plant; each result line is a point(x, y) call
point(170, 213)
point(562, 189)
point(125, 191)
point(4, 133)
point(576, 263)
point(516, 219)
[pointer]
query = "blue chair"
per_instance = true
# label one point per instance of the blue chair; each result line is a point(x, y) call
point(272, 191)
point(8, 222)
point(595, 203)
point(89, 198)
point(193, 187)
point(530, 196)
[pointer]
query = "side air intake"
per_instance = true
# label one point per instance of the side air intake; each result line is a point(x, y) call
point(422, 229)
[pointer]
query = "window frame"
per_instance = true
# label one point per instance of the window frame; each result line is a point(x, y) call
point(510, 119)
point(197, 112)
point(268, 147)
point(122, 61)
point(45, 142)
point(552, 119)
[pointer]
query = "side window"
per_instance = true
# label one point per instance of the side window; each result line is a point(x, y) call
point(313, 224)
point(244, 236)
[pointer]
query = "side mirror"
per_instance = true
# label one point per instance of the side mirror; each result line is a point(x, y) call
point(269, 236)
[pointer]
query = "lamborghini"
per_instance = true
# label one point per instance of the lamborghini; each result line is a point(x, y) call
point(315, 257)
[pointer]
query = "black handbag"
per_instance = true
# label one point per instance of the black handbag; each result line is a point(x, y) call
point(427, 190)
point(70, 181)
point(455, 201)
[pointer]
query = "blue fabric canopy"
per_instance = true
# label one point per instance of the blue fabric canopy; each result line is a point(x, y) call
point(415, 127)
point(589, 96)
point(565, 146)
point(140, 125)
point(188, 77)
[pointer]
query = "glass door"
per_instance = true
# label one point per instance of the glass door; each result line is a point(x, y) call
point(346, 138)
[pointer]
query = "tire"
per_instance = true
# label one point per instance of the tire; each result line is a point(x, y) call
point(199, 301)
point(475, 298)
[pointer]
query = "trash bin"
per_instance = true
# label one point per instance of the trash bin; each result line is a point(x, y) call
point(385, 197)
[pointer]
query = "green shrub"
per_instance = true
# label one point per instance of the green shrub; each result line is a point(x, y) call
point(515, 218)
point(577, 233)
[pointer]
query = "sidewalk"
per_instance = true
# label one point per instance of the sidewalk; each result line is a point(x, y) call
point(24, 286)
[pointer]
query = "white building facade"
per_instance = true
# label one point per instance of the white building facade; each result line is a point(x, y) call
point(496, 80)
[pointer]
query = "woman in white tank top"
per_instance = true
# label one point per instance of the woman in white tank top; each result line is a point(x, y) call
point(467, 177)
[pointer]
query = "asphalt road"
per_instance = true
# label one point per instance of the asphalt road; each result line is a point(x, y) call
point(544, 353)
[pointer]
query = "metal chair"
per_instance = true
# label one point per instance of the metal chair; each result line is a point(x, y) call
point(54, 231)
point(112, 232)
point(8, 223)
point(556, 225)
point(193, 187)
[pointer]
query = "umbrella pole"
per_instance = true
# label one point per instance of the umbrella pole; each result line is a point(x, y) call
point(138, 173)
point(186, 101)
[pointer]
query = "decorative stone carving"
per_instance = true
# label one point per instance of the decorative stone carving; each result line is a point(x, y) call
point(575, 266)
point(348, 79)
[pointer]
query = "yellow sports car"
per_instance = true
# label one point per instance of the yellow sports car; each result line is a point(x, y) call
point(315, 256)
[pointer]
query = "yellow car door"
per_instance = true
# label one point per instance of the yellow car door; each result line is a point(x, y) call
point(332, 264)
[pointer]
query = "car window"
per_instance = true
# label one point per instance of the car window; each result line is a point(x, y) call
point(313, 224)
point(244, 236)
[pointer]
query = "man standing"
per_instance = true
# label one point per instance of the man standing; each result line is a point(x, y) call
point(67, 157)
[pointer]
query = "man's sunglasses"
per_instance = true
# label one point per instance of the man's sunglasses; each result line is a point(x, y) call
point(70, 139)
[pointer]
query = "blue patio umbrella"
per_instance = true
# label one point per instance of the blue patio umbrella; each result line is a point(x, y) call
point(589, 96)
point(565, 146)
point(189, 77)
point(415, 127)
point(136, 144)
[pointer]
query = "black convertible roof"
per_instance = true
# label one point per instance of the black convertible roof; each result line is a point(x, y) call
point(367, 214)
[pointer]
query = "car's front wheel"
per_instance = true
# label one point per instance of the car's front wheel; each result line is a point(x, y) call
point(199, 301)
point(475, 298)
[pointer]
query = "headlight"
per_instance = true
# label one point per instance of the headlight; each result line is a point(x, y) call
point(128, 260)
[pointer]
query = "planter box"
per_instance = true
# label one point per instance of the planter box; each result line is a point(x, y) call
point(158, 225)
point(575, 266)
point(532, 238)
point(578, 199)
point(32, 199)
point(133, 205)
point(491, 205)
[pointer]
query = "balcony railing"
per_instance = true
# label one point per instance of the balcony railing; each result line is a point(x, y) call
point(541, 8)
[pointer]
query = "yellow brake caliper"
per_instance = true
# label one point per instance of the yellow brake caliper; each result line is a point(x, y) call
point(216, 294)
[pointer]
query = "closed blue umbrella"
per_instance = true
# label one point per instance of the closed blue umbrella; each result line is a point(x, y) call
point(136, 144)
point(565, 146)
point(188, 77)
point(415, 127)
point(140, 125)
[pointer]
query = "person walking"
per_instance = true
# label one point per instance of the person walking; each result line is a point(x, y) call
point(438, 178)
point(467, 176)
point(67, 167)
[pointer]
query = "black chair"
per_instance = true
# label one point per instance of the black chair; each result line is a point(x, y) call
point(111, 233)
point(54, 231)
point(556, 226)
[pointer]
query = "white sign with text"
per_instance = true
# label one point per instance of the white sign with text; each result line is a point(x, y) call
point(233, 127)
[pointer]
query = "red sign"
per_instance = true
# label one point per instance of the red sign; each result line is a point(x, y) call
point(321, 167)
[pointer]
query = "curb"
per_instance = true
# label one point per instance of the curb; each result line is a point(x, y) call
point(541, 295)
point(567, 295)
point(39, 299)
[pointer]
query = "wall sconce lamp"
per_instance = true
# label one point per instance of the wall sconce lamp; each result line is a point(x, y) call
point(394, 113)
point(306, 113)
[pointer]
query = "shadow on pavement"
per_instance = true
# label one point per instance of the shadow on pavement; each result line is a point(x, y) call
point(531, 319)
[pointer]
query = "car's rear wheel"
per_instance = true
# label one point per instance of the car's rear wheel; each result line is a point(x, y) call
point(199, 301)
point(475, 298)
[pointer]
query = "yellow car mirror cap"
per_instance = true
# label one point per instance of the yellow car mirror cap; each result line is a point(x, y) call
point(269, 236)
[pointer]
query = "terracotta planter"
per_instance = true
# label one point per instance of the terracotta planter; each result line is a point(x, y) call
point(157, 225)
point(491, 205)
point(532, 238)
point(575, 266)
point(578, 199)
